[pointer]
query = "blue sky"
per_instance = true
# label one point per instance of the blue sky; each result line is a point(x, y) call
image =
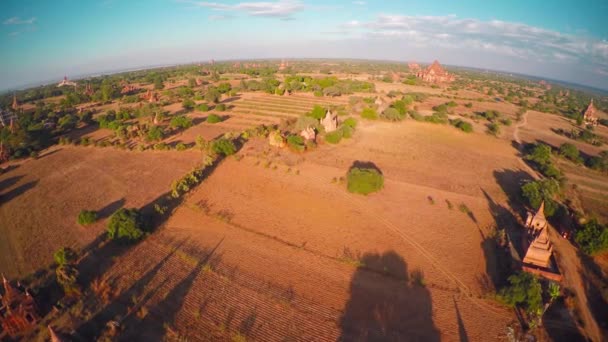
point(44, 40)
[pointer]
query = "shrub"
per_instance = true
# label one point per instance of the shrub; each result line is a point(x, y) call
point(538, 191)
point(569, 151)
point(161, 146)
point(126, 225)
point(363, 180)
point(221, 107)
point(213, 118)
point(224, 146)
point(347, 131)
point(86, 217)
point(304, 122)
point(181, 146)
point(468, 105)
point(462, 125)
point(202, 107)
point(369, 113)
point(350, 122)
point(540, 154)
point(317, 112)
point(188, 104)
point(155, 133)
point(493, 129)
point(506, 122)
point(524, 289)
point(64, 256)
point(592, 237)
point(391, 114)
point(181, 121)
point(334, 137)
point(296, 143)
point(318, 93)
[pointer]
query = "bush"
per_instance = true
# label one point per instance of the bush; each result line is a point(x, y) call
point(296, 143)
point(538, 191)
point(524, 289)
point(463, 125)
point(65, 256)
point(493, 129)
point(181, 146)
point(540, 155)
point(318, 93)
point(369, 113)
point(350, 122)
point(202, 107)
point(126, 225)
point(213, 118)
point(188, 104)
point(334, 137)
point(592, 237)
point(363, 180)
point(506, 122)
point(181, 121)
point(347, 131)
point(317, 112)
point(570, 152)
point(86, 217)
point(155, 133)
point(392, 114)
point(224, 146)
point(220, 107)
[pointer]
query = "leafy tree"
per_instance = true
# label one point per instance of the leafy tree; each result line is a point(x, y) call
point(158, 83)
point(67, 122)
point(332, 91)
point(350, 122)
point(524, 289)
point(155, 133)
point(212, 95)
point(296, 142)
point(462, 125)
point(191, 82)
point(202, 107)
point(392, 114)
point(181, 121)
point(363, 180)
point(317, 112)
point(188, 104)
point(213, 118)
point(220, 107)
point(541, 154)
point(334, 137)
point(224, 88)
point(224, 146)
point(86, 217)
point(369, 113)
point(592, 237)
point(569, 151)
point(493, 129)
point(65, 255)
point(538, 191)
point(126, 225)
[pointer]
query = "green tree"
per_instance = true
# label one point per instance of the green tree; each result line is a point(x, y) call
point(158, 83)
point(188, 104)
point(126, 225)
point(540, 154)
point(155, 133)
point(592, 237)
point(569, 151)
point(364, 180)
point(224, 146)
point(224, 88)
point(391, 114)
point(181, 121)
point(86, 217)
point(213, 118)
point(369, 113)
point(65, 255)
point(317, 112)
point(538, 191)
point(212, 95)
point(524, 289)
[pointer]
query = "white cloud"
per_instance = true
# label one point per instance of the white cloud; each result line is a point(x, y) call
point(279, 9)
point(19, 21)
point(515, 40)
point(360, 3)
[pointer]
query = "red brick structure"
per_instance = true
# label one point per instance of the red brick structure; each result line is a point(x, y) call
point(150, 96)
point(15, 105)
point(88, 90)
point(414, 67)
point(128, 89)
point(589, 115)
point(18, 310)
point(435, 73)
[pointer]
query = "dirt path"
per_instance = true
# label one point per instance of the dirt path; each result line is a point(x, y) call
point(520, 145)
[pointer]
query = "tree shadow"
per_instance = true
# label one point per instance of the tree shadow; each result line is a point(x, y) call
point(110, 208)
point(8, 182)
point(16, 192)
point(118, 308)
point(162, 315)
point(8, 168)
point(49, 153)
point(462, 331)
point(385, 304)
point(559, 323)
point(596, 289)
point(365, 165)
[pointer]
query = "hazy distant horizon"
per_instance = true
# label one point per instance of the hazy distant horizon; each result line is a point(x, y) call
point(45, 40)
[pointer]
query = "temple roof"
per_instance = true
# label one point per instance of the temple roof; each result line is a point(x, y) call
point(540, 250)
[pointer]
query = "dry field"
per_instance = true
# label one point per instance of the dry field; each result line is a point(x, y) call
point(40, 199)
point(274, 255)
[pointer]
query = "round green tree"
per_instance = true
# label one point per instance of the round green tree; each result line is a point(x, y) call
point(126, 225)
point(86, 217)
point(364, 180)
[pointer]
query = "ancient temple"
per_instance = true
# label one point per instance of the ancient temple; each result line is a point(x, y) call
point(15, 104)
point(414, 67)
point(150, 96)
point(6, 117)
point(308, 134)
point(128, 89)
point(330, 122)
point(539, 250)
point(88, 90)
point(18, 311)
point(589, 115)
point(66, 82)
point(283, 65)
point(435, 73)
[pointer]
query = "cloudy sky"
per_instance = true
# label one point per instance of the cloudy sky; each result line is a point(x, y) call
point(557, 39)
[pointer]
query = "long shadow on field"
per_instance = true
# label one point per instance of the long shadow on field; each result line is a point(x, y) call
point(495, 244)
point(596, 289)
point(162, 316)
point(559, 323)
point(118, 308)
point(16, 192)
point(386, 304)
point(110, 208)
point(462, 331)
point(7, 183)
